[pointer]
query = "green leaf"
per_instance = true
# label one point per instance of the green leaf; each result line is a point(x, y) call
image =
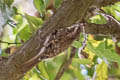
point(57, 3)
point(66, 76)
point(99, 38)
point(78, 74)
point(18, 18)
point(102, 71)
point(107, 9)
point(43, 70)
point(34, 22)
point(34, 77)
point(81, 61)
point(102, 52)
point(15, 10)
point(47, 2)
point(9, 2)
point(98, 19)
point(76, 44)
point(116, 6)
point(40, 6)
point(25, 33)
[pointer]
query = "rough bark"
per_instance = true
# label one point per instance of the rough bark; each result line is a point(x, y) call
point(111, 28)
point(42, 44)
point(70, 12)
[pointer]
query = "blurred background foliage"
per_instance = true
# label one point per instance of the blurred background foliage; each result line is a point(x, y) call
point(99, 61)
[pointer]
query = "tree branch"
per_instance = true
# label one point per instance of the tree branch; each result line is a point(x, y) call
point(103, 3)
point(70, 12)
point(42, 45)
point(111, 28)
point(108, 2)
point(65, 65)
point(8, 42)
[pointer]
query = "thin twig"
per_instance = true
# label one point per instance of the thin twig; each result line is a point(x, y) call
point(65, 64)
point(41, 51)
point(83, 44)
point(108, 17)
point(8, 42)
